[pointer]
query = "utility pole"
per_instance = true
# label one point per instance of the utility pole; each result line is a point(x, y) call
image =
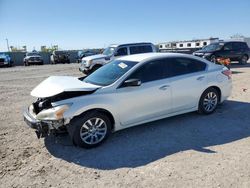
point(8, 45)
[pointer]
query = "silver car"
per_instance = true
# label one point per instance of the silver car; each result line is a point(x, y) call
point(129, 91)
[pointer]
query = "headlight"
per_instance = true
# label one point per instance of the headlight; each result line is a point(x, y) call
point(87, 63)
point(207, 54)
point(55, 113)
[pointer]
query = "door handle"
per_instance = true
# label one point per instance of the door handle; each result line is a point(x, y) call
point(200, 78)
point(165, 87)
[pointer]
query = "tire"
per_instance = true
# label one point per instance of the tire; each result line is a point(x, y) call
point(244, 59)
point(95, 68)
point(210, 97)
point(85, 135)
point(26, 63)
point(213, 59)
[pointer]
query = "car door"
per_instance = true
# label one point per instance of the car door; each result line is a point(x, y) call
point(152, 99)
point(227, 51)
point(188, 81)
point(238, 50)
point(122, 51)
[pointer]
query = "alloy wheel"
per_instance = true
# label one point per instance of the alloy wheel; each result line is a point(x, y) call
point(93, 131)
point(210, 101)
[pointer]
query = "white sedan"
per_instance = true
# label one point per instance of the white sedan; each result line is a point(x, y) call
point(126, 92)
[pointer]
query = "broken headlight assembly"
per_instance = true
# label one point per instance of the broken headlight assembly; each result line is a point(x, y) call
point(54, 113)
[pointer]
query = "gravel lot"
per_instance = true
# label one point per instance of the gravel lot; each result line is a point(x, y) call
point(190, 150)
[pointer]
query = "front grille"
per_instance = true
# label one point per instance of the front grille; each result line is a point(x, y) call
point(34, 59)
point(2, 60)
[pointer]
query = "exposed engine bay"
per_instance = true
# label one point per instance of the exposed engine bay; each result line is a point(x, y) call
point(45, 103)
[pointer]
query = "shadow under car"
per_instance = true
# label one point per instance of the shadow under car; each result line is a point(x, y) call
point(141, 145)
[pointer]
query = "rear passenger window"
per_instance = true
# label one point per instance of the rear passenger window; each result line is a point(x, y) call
point(140, 49)
point(180, 66)
point(228, 46)
point(239, 46)
point(151, 71)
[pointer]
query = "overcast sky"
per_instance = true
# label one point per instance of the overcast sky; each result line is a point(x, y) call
point(77, 24)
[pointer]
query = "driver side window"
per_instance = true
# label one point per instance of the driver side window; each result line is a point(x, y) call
point(228, 46)
point(151, 71)
point(122, 51)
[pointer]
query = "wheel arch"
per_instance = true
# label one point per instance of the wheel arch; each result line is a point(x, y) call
point(246, 55)
point(216, 88)
point(104, 111)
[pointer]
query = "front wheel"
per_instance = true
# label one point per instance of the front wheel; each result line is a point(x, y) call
point(213, 59)
point(244, 60)
point(209, 101)
point(26, 63)
point(90, 130)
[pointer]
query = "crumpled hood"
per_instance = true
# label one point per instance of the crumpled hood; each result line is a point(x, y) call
point(57, 84)
point(94, 57)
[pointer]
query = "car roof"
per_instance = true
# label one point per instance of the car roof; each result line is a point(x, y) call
point(131, 44)
point(228, 41)
point(152, 56)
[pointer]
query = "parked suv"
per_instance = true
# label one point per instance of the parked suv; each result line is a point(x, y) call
point(92, 63)
point(59, 57)
point(5, 60)
point(32, 58)
point(234, 50)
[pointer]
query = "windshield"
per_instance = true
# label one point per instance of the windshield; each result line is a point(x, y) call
point(32, 54)
point(213, 47)
point(108, 51)
point(109, 73)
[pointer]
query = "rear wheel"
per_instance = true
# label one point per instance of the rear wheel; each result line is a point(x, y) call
point(209, 101)
point(90, 130)
point(26, 63)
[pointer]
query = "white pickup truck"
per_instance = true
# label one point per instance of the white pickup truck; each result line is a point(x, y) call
point(91, 63)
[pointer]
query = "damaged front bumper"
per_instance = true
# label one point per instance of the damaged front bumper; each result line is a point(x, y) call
point(43, 128)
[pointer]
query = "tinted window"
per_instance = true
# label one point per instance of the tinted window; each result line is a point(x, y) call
point(180, 66)
point(151, 71)
point(189, 44)
point(122, 51)
point(140, 49)
point(181, 45)
point(228, 46)
point(239, 45)
point(197, 44)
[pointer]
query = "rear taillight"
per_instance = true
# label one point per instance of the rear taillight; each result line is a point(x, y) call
point(227, 73)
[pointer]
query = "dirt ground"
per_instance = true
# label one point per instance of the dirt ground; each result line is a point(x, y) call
point(189, 150)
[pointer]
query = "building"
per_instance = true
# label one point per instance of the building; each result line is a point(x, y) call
point(187, 46)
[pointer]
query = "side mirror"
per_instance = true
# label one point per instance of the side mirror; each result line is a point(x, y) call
point(116, 54)
point(107, 58)
point(132, 83)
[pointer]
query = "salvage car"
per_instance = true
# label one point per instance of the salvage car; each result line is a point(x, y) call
point(59, 57)
point(128, 91)
point(92, 63)
point(32, 58)
point(233, 50)
point(5, 60)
